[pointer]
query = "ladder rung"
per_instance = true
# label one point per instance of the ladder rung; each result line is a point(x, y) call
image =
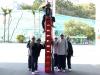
point(48, 35)
point(48, 30)
point(48, 46)
point(48, 25)
point(48, 51)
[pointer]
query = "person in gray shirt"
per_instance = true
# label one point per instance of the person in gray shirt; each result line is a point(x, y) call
point(62, 53)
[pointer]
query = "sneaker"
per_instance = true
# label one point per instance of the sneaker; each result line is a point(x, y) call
point(36, 71)
point(33, 73)
point(55, 68)
point(69, 70)
point(63, 71)
point(58, 70)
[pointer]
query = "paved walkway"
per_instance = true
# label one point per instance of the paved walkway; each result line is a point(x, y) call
point(21, 69)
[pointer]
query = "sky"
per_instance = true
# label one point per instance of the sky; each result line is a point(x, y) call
point(10, 3)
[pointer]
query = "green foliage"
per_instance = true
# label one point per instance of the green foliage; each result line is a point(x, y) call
point(85, 10)
point(77, 28)
point(6, 11)
point(35, 5)
point(20, 38)
point(26, 7)
point(79, 10)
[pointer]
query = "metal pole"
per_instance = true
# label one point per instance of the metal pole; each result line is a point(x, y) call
point(54, 6)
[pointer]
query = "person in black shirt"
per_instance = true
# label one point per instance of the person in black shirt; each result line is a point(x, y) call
point(36, 48)
point(48, 12)
point(29, 55)
point(70, 54)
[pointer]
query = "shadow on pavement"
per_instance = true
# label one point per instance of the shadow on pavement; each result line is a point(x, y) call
point(21, 69)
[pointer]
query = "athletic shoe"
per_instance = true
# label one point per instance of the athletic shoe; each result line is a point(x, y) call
point(33, 73)
point(63, 71)
point(36, 71)
point(58, 70)
point(69, 70)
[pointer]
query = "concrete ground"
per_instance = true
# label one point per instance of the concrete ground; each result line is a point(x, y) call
point(21, 69)
point(13, 60)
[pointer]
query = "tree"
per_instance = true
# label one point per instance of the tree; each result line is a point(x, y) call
point(35, 7)
point(9, 22)
point(86, 10)
point(75, 27)
point(66, 7)
point(6, 11)
point(25, 7)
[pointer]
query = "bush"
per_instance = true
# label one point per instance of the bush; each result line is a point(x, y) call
point(20, 38)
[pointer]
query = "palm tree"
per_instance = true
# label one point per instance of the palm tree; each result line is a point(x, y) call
point(35, 6)
point(9, 21)
point(6, 11)
point(33, 12)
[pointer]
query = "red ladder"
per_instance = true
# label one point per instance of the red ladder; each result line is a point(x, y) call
point(48, 38)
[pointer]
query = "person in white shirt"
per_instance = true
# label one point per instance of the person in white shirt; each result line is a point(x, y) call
point(55, 52)
point(62, 53)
